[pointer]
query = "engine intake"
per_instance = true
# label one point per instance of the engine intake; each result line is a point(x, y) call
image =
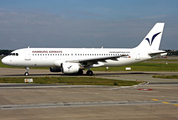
point(55, 69)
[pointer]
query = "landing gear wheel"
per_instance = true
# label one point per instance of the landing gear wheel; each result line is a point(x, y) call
point(89, 72)
point(80, 72)
point(26, 74)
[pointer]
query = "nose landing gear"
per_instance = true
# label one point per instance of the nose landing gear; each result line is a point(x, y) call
point(26, 73)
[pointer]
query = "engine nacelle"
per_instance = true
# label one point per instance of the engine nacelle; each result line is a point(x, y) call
point(55, 69)
point(69, 68)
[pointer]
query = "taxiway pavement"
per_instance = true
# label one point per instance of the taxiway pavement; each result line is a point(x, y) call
point(157, 100)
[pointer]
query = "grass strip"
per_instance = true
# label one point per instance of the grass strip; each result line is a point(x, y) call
point(166, 76)
point(71, 81)
point(168, 60)
point(143, 67)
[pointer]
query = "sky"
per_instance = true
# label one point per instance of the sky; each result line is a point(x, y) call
point(85, 23)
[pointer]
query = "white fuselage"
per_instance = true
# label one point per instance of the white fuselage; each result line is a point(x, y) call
point(49, 57)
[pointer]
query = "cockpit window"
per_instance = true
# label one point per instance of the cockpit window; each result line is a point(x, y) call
point(14, 54)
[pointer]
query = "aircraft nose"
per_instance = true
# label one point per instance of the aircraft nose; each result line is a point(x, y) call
point(4, 60)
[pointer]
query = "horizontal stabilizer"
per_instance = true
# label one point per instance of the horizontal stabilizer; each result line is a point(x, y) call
point(155, 54)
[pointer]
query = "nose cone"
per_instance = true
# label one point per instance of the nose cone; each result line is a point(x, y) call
point(5, 61)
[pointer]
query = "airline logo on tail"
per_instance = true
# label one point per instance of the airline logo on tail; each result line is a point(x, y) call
point(154, 36)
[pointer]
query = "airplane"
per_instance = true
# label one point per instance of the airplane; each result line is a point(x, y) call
point(75, 60)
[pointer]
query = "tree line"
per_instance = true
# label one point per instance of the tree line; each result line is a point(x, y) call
point(172, 52)
point(5, 52)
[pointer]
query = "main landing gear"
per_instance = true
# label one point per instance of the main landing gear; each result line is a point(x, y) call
point(26, 73)
point(89, 72)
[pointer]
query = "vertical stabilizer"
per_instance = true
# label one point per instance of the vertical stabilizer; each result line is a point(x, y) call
point(153, 38)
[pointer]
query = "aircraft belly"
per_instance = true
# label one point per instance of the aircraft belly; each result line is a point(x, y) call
point(43, 63)
point(36, 63)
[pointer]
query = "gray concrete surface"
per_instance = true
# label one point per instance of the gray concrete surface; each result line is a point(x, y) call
point(151, 101)
point(121, 75)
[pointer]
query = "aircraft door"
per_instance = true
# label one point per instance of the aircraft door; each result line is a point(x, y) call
point(27, 54)
point(137, 53)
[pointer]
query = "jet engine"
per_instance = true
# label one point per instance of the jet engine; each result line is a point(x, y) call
point(55, 69)
point(69, 68)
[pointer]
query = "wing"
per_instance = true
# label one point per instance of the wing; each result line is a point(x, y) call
point(96, 59)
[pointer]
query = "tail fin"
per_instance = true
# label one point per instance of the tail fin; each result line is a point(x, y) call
point(153, 38)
